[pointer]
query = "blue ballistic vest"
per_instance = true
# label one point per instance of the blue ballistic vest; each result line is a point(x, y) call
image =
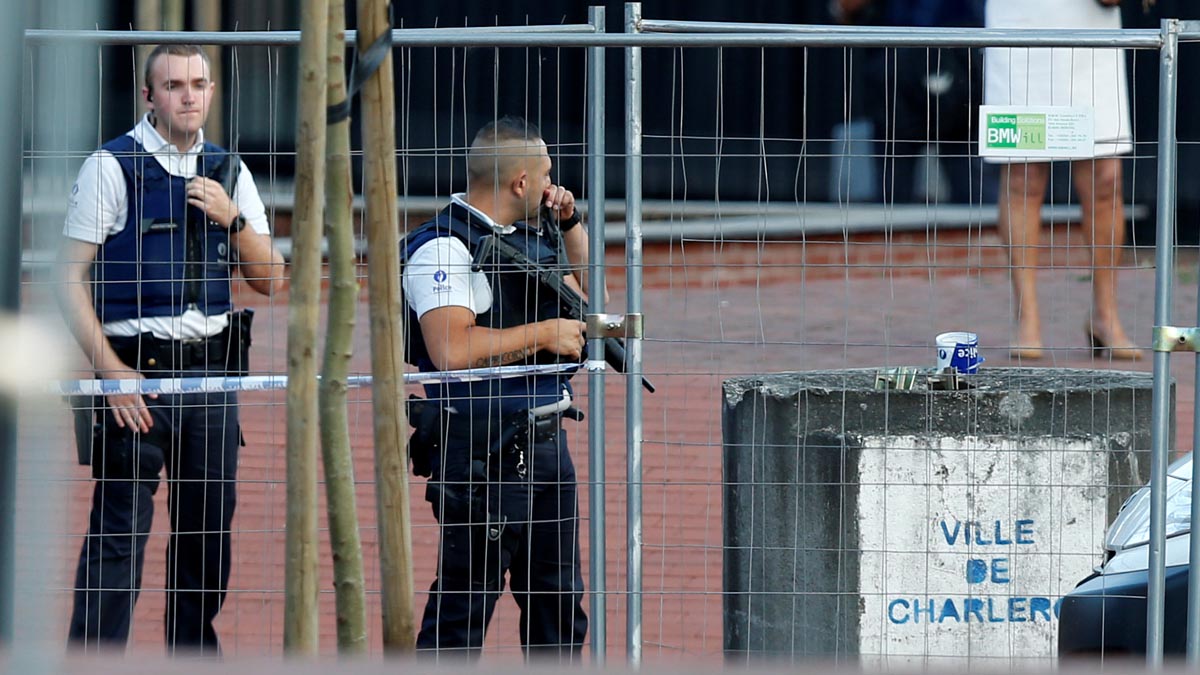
point(170, 257)
point(517, 299)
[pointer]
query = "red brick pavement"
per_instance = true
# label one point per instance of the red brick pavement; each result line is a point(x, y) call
point(714, 310)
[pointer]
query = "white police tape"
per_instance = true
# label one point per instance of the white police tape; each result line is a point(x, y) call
point(211, 385)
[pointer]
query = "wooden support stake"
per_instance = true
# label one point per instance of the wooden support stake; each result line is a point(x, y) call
point(206, 16)
point(387, 362)
point(300, 631)
point(340, 500)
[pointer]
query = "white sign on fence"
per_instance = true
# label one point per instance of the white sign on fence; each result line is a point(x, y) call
point(1036, 132)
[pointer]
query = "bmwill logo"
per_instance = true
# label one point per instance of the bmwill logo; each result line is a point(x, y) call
point(1021, 132)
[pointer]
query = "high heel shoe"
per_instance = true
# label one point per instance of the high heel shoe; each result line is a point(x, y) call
point(1121, 353)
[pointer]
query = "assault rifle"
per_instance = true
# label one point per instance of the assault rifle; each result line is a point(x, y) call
point(491, 250)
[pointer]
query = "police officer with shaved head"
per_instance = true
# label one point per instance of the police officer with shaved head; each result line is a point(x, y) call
point(502, 484)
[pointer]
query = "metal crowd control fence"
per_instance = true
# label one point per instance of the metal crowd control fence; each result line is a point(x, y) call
point(1166, 40)
point(642, 34)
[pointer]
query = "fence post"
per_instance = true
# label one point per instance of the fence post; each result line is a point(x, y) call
point(633, 345)
point(1164, 251)
point(596, 455)
point(1193, 612)
point(10, 295)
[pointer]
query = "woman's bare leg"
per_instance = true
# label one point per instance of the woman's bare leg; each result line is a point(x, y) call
point(1022, 190)
point(1098, 183)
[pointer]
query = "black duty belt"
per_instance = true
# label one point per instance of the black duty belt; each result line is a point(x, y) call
point(224, 353)
point(148, 353)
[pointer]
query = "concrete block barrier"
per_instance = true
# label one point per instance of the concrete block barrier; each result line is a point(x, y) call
point(920, 525)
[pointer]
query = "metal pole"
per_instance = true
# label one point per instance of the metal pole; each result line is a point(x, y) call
point(1160, 411)
point(10, 290)
point(671, 26)
point(1193, 615)
point(1193, 611)
point(583, 36)
point(596, 454)
point(633, 344)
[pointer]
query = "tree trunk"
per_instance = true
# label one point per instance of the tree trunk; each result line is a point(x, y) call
point(387, 367)
point(300, 634)
point(343, 298)
point(172, 15)
point(148, 16)
point(206, 16)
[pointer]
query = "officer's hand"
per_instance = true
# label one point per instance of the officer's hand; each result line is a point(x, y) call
point(564, 337)
point(560, 201)
point(129, 410)
point(207, 195)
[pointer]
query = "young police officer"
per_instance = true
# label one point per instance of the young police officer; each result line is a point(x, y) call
point(152, 239)
point(502, 484)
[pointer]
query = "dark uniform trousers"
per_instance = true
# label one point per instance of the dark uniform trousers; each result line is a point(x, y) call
point(195, 437)
point(530, 531)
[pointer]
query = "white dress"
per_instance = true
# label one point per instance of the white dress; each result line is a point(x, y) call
point(1061, 76)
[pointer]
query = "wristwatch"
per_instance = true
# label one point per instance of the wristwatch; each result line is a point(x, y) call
point(568, 224)
point(238, 224)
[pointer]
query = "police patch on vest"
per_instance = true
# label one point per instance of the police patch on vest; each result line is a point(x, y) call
point(439, 282)
point(158, 225)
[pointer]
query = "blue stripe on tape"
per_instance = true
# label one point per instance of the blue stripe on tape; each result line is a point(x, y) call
point(209, 385)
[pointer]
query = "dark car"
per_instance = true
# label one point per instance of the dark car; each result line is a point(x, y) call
point(1106, 613)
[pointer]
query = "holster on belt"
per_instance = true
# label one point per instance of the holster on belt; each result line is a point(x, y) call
point(428, 432)
point(84, 410)
point(521, 431)
point(432, 424)
point(240, 336)
point(226, 353)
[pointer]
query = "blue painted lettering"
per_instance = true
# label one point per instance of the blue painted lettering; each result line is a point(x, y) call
point(1024, 531)
point(980, 540)
point(974, 532)
point(927, 610)
point(973, 606)
point(1000, 571)
point(999, 609)
point(992, 618)
point(1000, 540)
point(949, 611)
point(951, 538)
point(976, 571)
point(903, 604)
point(1039, 606)
point(1016, 610)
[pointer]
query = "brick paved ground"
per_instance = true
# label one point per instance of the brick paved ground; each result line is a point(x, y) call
point(714, 310)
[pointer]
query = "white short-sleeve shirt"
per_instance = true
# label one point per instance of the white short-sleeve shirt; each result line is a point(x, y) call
point(99, 206)
point(438, 273)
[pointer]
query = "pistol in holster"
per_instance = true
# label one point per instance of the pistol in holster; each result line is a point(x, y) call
point(88, 428)
point(426, 440)
point(240, 323)
point(229, 351)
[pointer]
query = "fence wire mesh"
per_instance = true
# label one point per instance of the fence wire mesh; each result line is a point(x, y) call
point(813, 217)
